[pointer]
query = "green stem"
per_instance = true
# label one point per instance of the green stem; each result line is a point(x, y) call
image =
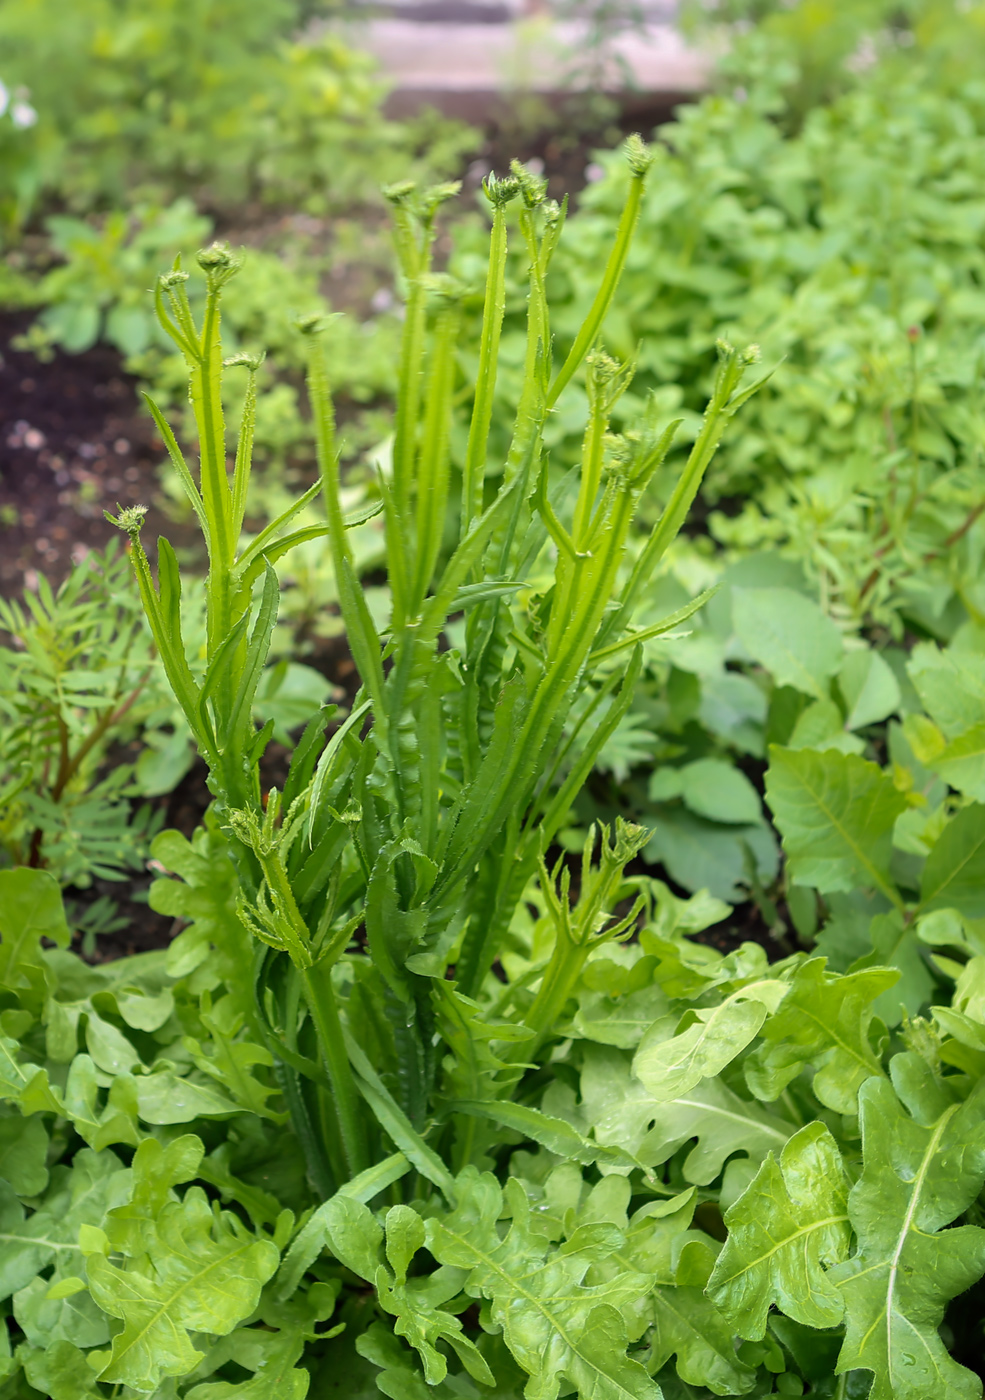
point(492, 325)
point(585, 338)
point(322, 1004)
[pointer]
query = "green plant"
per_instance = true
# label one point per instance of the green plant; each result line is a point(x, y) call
point(141, 98)
point(19, 167)
point(77, 678)
point(847, 245)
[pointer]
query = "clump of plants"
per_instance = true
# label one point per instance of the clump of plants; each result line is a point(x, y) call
point(412, 1105)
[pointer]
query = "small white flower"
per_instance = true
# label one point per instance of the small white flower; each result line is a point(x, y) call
point(23, 115)
point(4, 97)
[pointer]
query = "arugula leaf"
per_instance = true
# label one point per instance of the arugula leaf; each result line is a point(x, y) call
point(670, 1068)
point(786, 1228)
point(196, 1272)
point(824, 1021)
point(624, 1114)
point(555, 1325)
point(919, 1172)
point(355, 1238)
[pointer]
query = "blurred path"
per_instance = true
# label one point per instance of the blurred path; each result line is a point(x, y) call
point(469, 56)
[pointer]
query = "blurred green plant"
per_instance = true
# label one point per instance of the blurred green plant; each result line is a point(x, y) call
point(168, 97)
point(851, 249)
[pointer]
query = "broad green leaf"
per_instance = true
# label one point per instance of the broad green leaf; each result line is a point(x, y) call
point(896, 944)
point(711, 857)
point(622, 1113)
point(687, 1324)
point(60, 1372)
point(918, 1174)
point(823, 1022)
point(671, 1067)
point(198, 1273)
point(710, 787)
point(79, 1195)
point(109, 1047)
point(165, 1098)
point(30, 909)
point(836, 813)
point(785, 1230)
point(789, 635)
point(820, 726)
point(23, 1149)
point(962, 762)
point(951, 685)
point(870, 689)
point(618, 1020)
point(556, 1326)
point(954, 875)
point(74, 1317)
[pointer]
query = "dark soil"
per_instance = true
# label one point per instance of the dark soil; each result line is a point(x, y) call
point(74, 441)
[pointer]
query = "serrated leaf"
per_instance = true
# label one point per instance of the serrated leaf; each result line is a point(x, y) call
point(917, 1176)
point(672, 1067)
point(823, 1022)
point(788, 634)
point(785, 1230)
point(355, 1238)
point(954, 875)
point(622, 1113)
point(836, 813)
point(555, 1326)
point(78, 1195)
point(197, 1273)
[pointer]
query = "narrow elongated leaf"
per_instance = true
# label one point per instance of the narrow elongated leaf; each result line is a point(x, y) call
point(787, 1227)
point(836, 813)
point(918, 1174)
